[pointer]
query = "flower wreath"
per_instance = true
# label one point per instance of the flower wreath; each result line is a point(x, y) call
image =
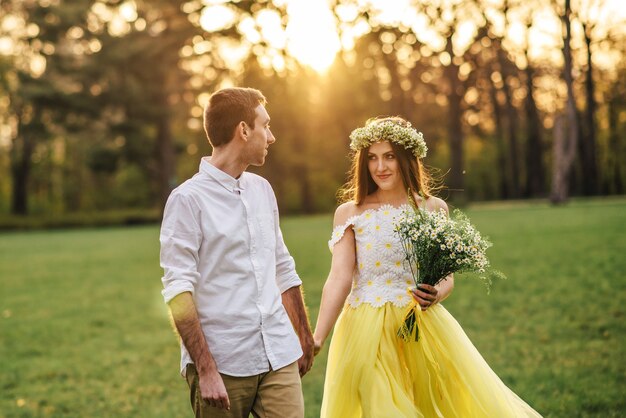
point(388, 130)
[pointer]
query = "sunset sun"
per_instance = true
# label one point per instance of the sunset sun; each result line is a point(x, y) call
point(312, 38)
point(310, 35)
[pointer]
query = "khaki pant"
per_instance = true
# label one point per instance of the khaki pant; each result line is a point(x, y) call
point(275, 394)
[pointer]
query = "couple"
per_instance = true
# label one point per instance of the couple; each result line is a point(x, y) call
point(236, 302)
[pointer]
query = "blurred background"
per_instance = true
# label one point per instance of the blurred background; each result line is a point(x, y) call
point(101, 101)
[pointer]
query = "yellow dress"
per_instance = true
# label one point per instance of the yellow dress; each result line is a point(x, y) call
point(373, 373)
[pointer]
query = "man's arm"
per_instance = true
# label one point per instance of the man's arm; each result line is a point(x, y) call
point(294, 305)
point(185, 318)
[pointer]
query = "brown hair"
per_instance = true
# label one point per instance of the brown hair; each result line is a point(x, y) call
point(226, 109)
point(415, 176)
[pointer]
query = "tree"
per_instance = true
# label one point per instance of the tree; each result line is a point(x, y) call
point(566, 130)
point(535, 171)
point(43, 94)
point(143, 83)
point(588, 141)
point(614, 173)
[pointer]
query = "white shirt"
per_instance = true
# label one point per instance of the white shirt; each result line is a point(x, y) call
point(221, 241)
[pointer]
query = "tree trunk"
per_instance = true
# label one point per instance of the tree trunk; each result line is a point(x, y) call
point(588, 142)
point(166, 158)
point(512, 125)
point(614, 183)
point(564, 152)
point(398, 102)
point(301, 168)
point(535, 172)
point(455, 129)
point(21, 155)
point(566, 137)
point(499, 134)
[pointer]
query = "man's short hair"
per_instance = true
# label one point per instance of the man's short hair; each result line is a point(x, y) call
point(226, 109)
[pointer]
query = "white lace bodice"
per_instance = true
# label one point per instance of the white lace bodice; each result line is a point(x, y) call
point(381, 276)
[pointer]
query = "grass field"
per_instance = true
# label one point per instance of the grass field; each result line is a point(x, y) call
point(84, 332)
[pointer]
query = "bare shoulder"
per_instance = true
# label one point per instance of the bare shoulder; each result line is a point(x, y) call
point(344, 212)
point(435, 203)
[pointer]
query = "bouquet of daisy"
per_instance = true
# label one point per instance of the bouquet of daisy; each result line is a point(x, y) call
point(435, 246)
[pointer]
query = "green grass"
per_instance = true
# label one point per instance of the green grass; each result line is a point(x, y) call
point(84, 332)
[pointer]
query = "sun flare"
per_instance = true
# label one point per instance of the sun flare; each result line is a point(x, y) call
point(311, 34)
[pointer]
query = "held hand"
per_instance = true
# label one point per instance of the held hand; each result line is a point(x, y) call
point(306, 361)
point(318, 344)
point(213, 390)
point(425, 295)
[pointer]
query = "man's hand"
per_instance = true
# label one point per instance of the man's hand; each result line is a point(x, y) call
point(213, 390)
point(294, 305)
point(306, 361)
point(185, 317)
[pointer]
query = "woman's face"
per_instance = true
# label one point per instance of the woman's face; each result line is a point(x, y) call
point(383, 166)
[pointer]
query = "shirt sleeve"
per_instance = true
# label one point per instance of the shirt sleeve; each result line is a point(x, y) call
point(180, 238)
point(286, 275)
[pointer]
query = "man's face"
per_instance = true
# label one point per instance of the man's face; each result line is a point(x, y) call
point(259, 138)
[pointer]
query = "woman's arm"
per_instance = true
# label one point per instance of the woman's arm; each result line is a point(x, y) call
point(338, 283)
point(444, 288)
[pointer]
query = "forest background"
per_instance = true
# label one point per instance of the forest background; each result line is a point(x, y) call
point(101, 101)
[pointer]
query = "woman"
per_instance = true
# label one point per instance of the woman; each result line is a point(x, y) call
point(370, 371)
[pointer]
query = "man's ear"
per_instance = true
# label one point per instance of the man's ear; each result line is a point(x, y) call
point(243, 129)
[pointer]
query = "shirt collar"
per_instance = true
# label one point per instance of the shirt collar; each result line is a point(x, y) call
point(225, 180)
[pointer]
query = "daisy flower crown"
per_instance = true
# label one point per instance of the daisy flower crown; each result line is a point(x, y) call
point(399, 133)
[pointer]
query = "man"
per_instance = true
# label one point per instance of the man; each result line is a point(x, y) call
point(229, 280)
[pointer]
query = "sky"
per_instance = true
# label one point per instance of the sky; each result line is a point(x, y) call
point(311, 34)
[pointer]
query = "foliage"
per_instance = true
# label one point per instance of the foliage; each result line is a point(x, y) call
point(125, 82)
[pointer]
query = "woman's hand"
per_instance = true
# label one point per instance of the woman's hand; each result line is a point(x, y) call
point(317, 345)
point(426, 295)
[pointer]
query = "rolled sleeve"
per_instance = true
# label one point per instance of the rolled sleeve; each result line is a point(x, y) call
point(180, 240)
point(287, 282)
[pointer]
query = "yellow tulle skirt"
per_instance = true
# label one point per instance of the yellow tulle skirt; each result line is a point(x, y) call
point(373, 373)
